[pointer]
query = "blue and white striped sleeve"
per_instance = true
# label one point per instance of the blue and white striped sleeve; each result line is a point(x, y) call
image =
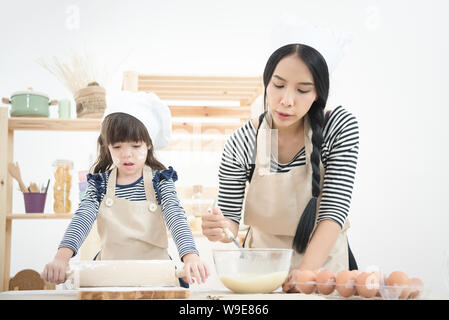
point(83, 218)
point(175, 218)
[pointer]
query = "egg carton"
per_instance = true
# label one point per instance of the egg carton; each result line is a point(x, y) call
point(369, 291)
point(381, 292)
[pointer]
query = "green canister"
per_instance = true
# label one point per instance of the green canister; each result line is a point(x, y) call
point(64, 109)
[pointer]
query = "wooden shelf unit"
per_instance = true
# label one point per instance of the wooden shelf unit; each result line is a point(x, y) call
point(242, 89)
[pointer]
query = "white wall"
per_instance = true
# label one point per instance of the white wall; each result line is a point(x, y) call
point(392, 77)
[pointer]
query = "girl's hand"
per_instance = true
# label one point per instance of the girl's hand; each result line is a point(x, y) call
point(55, 271)
point(212, 225)
point(194, 267)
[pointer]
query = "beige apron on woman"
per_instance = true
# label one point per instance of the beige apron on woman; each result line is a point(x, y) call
point(275, 202)
point(131, 230)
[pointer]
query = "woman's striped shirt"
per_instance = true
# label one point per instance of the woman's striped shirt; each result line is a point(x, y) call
point(339, 157)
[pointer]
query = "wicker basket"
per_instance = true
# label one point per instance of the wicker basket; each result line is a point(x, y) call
point(90, 101)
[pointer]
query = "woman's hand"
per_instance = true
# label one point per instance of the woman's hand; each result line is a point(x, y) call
point(317, 251)
point(212, 226)
point(290, 285)
point(195, 268)
point(55, 271)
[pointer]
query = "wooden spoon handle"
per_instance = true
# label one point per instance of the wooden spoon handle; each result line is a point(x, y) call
point(14, 171)
point(22, 186)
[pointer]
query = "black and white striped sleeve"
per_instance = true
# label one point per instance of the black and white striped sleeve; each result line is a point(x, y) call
point(340, 155)
point(234, 171)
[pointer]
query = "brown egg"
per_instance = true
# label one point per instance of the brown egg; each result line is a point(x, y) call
point(356, 273)
point(345, 283)
point(316, 271)
point(303, 279)
point(417, 287)
point(325, 282)
point(367, 284)
point(379, 276)
point(399, 278)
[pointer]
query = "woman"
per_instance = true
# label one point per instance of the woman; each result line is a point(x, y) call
point(301, 197)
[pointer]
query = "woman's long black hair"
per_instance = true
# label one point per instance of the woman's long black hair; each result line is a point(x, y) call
point(320, 73)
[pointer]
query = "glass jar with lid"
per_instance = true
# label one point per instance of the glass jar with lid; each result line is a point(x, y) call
point(63, 184)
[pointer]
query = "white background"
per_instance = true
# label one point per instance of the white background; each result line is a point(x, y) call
point(393, 77)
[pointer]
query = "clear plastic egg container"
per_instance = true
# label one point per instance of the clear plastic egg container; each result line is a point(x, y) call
point(375, 287)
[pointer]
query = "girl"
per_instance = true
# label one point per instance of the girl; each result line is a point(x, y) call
point(300, 198)
point(131, 193)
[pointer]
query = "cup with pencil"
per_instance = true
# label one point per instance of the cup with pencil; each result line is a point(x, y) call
point(33, 195)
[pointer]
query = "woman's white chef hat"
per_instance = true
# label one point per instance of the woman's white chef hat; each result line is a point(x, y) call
point(331, 43)
point(146, 107)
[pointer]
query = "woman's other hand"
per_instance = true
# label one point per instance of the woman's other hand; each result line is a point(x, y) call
point(212, 225)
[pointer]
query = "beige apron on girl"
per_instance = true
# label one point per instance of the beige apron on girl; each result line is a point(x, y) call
point(275, 202)
point(131, 230)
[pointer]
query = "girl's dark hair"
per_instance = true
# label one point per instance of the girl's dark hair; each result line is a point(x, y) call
point(122, 127)
point(320, 73)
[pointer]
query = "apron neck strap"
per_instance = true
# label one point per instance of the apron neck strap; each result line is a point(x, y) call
point(264, 145)
point(267, 142)
point(112, 181)
point(308, 145)
point(147, 182)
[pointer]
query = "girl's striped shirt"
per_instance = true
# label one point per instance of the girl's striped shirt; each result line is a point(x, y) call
point(172, 211)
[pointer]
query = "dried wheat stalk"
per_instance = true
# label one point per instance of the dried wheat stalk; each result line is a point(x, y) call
point(77, 74)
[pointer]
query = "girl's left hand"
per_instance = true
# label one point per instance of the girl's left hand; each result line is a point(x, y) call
point(195, 268)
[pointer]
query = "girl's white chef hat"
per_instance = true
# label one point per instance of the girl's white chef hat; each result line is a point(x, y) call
point(146, 107)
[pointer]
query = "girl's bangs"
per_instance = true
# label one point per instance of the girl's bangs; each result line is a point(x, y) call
point(121, 127)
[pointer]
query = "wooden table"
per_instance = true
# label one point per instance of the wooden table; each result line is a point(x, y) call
point(194, 295)
point(198, 294)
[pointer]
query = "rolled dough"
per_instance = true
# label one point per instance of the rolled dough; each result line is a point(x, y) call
point(123, 273)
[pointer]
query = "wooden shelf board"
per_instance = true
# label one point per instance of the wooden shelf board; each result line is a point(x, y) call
point(51, 124)
point(196, 78)
point(205, 111)
point(245, 90)
point(24, 123)
point(26, 216)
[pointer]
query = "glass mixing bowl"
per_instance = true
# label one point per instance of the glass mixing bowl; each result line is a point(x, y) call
point(252, 270)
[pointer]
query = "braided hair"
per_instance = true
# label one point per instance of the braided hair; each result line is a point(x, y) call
point(320, 73)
